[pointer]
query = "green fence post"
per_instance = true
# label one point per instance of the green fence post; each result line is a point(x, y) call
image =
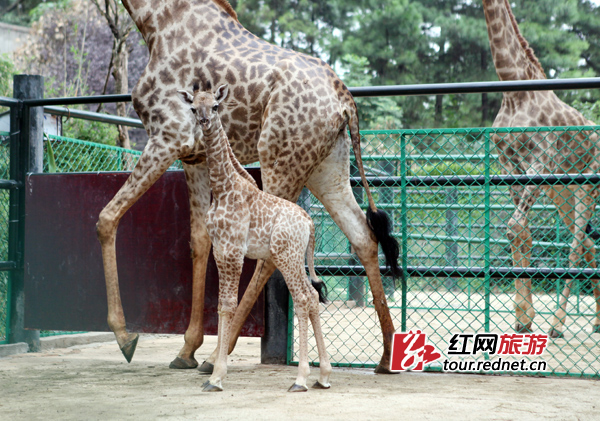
point(487, 251)
point(29, 123)
point(404, 226)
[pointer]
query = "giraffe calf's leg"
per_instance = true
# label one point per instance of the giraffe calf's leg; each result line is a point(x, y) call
point(301, 308)
point(229, 265)
point(227, 309)
point(289, 258)
point(324, 365)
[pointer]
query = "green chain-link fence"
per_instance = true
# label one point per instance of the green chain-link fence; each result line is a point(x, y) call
point(72, 155)
point(4, 208)
point(456, 220)
point(440, 224)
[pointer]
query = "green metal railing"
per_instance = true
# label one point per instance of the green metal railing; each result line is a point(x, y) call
point(451, 204)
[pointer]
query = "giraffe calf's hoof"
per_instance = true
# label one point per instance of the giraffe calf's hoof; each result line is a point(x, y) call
point(209, 387)
point(319, 385)
point(519, 328)
point(297, 388)
point(129, 348)
point(206, 367)
point(555, 334)
point(183, 363)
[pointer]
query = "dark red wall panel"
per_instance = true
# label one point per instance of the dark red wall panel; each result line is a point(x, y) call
point(64, 276)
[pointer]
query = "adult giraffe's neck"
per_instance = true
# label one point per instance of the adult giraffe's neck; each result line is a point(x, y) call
point(218, 157)
point(513, 58)
point(154, 16)
point(139, 10)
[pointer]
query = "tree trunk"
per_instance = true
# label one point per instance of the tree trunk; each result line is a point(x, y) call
point(485, 105)
point(119, 72)
point(439, 111)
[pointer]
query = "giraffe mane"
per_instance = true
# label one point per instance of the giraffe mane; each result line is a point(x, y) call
point(228, 8)
point(528, 50)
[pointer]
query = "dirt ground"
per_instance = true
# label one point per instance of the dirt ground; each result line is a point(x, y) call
point(94, 382)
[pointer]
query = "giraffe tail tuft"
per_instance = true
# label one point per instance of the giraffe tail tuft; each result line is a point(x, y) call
point(381, 225)
point(321, 290)
point(377, 219)
point(317, 284)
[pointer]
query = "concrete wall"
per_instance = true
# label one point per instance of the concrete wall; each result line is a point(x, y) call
point(11, 37)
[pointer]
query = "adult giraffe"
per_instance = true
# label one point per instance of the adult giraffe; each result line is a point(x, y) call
point(540, 153)
point(285, 110)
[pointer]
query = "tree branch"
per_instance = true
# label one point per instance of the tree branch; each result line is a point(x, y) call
point(11, 7)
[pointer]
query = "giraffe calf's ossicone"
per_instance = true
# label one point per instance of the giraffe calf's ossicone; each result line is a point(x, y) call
point(244, 221)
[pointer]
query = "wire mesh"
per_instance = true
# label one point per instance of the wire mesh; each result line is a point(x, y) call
point(63, 154)
point(466, 225)
point(4, 208)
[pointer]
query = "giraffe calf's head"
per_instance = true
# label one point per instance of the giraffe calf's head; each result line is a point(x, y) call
point(204, 105)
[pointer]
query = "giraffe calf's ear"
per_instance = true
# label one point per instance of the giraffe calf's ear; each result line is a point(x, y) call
point(221, 93)
point(185, 97)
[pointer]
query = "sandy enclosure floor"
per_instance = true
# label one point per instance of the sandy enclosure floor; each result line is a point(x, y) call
point(95, 382)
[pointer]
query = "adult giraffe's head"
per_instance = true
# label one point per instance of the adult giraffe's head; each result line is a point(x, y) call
point(204, 105)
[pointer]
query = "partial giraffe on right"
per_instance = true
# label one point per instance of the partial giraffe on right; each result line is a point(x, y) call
point(540, 153)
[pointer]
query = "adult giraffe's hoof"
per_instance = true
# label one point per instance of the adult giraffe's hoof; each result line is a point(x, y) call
point(183, 363)
point(129, 348)
point(319, 385)
point(596, 329)
point(381, 369)
point(206, 367)
point(555, 334)
point(209, 387)
point(297, 388)
point(519, 328)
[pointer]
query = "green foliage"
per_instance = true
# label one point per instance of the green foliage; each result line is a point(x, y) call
point(46, 7)
point(374, 113)
point(91, 131)
point(7, 70)
point(589, 109)
point(20, 13)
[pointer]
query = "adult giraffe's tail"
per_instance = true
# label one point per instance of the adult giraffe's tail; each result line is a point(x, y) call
point(310, 261)
point(378, 220)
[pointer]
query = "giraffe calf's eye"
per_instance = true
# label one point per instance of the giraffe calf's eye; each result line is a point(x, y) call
point(216, 108)
point(193, 110)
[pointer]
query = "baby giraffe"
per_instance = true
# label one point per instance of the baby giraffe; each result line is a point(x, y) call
point(245, 221)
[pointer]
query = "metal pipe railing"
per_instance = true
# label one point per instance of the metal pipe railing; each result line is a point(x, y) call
point(477, 87)
point(88, 115)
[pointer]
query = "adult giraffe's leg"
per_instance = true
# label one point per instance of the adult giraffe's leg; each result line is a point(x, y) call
point(152, 164)
point(583, 203)
point(519, 235)
point(199, 194)
point(330, 184)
